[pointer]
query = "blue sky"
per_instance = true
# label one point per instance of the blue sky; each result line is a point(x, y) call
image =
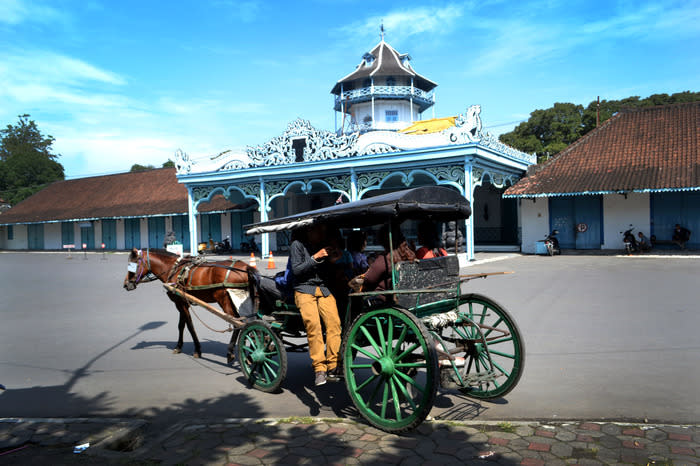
point(123, 82)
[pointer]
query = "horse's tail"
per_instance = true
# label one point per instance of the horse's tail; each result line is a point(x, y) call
point(253, 282)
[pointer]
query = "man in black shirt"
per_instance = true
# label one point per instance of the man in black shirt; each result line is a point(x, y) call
point(680, 236)
point(315, 301)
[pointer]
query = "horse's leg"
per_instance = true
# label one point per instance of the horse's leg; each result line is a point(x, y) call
point(223, 299)
point(188, 321)
point(181, 323)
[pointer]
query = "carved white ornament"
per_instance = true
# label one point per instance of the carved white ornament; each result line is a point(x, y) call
point(326, 145)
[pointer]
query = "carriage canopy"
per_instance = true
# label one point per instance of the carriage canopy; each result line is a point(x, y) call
point(436, 203)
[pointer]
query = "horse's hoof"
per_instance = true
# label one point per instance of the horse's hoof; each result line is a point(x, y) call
point(177, 351)
point(229, 359)
point(197, 355)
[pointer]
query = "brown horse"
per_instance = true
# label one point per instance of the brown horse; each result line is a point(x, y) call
point(208, 281)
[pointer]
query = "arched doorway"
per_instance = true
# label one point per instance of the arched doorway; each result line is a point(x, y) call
point(495, 218)
point(300, 197)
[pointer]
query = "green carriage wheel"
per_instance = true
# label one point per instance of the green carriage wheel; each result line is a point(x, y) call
point(503, 342)
point(385, 351)
point(262, 356)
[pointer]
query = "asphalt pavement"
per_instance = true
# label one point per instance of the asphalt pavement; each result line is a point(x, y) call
point(608, 339)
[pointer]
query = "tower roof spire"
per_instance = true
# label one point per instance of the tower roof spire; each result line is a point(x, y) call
point(381, 31)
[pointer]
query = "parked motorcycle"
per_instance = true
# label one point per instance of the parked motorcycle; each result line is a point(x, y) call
point(630, 241)
point(550, 244)
point(249, 246)
point(223, 247)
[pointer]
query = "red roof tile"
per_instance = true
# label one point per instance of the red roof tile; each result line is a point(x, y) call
point(133, 194)
point(653, 148)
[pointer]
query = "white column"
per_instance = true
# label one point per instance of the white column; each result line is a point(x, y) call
point(353, 185)
point(265, 246)
point(372, 91)
point(411, 99)
point(192, 222)
point(468, 193)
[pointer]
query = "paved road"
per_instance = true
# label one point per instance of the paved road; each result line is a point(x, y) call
point(606, 338)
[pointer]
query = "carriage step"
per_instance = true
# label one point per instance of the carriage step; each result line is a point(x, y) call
point(448, 378)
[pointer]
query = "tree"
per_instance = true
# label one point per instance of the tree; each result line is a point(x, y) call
point(27, 163)
point(548, 132)
point(137, 167)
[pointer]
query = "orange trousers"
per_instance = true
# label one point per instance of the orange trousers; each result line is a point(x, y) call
point(313, 308)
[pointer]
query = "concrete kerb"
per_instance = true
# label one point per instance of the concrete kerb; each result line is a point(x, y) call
point(105, 436)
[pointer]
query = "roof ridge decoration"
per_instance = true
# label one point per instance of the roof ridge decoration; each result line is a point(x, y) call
point(326, 145)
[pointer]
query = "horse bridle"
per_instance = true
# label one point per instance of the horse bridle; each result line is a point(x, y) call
point(141, 270)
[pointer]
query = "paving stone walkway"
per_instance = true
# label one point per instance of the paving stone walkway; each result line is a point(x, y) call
point(336, 441)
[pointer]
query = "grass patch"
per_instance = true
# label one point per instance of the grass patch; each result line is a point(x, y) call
point(506, 427)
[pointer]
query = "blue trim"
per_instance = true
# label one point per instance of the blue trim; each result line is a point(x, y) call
point(602, 223)
point(596, 193)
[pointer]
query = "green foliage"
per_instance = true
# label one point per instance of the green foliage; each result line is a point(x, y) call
point(26, 162)
point(137, 167)
point(548, 132)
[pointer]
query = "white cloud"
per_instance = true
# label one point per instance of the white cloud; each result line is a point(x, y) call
point(401, 24)
point(534, 37)
point(15, 12)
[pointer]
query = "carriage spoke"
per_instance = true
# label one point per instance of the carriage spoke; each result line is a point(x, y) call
point(420, 365)
point(382, 340)
point(365, 352)
point(411, 381)
point(493, 327)
point(404, 392)
point(371, 340)
point(408, 351)
point(499, 353)
point(374, 392)
point(385, 397)
point(502, 340)
point(360, 366)
point(366, 382)
point(483, 314)
point(400, 340)
point(498, 366)
point(395, 399)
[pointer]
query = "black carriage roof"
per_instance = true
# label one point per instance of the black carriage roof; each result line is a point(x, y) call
point(428, 202)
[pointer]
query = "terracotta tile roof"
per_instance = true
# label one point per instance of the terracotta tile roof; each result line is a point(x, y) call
point(647, 149)
point(133, 194)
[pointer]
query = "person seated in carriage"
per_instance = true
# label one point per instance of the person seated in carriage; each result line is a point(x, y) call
point(428, 239)
point(314, 299)
point(357, 242)
point(378, 276)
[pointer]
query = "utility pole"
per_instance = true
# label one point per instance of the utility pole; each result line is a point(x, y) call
point(597, 113)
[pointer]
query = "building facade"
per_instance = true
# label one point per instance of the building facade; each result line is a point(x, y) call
point(641, 168)
point(382, 145)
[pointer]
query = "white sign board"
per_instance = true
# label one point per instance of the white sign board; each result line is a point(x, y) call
point(175, 249)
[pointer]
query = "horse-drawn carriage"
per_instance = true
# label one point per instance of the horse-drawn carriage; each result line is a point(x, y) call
point(426, 332)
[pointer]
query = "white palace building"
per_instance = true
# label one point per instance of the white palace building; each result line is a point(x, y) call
point(383, 144)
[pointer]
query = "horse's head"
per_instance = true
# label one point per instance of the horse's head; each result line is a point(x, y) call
point(138, 267)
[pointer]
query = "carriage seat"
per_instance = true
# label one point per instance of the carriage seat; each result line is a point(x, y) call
point(436, 272)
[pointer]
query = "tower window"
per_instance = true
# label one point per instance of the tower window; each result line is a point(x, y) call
point(390, 81)
point(391, 115)
point(298, 146)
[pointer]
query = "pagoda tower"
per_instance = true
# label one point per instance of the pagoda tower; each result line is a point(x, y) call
point(383, 92)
